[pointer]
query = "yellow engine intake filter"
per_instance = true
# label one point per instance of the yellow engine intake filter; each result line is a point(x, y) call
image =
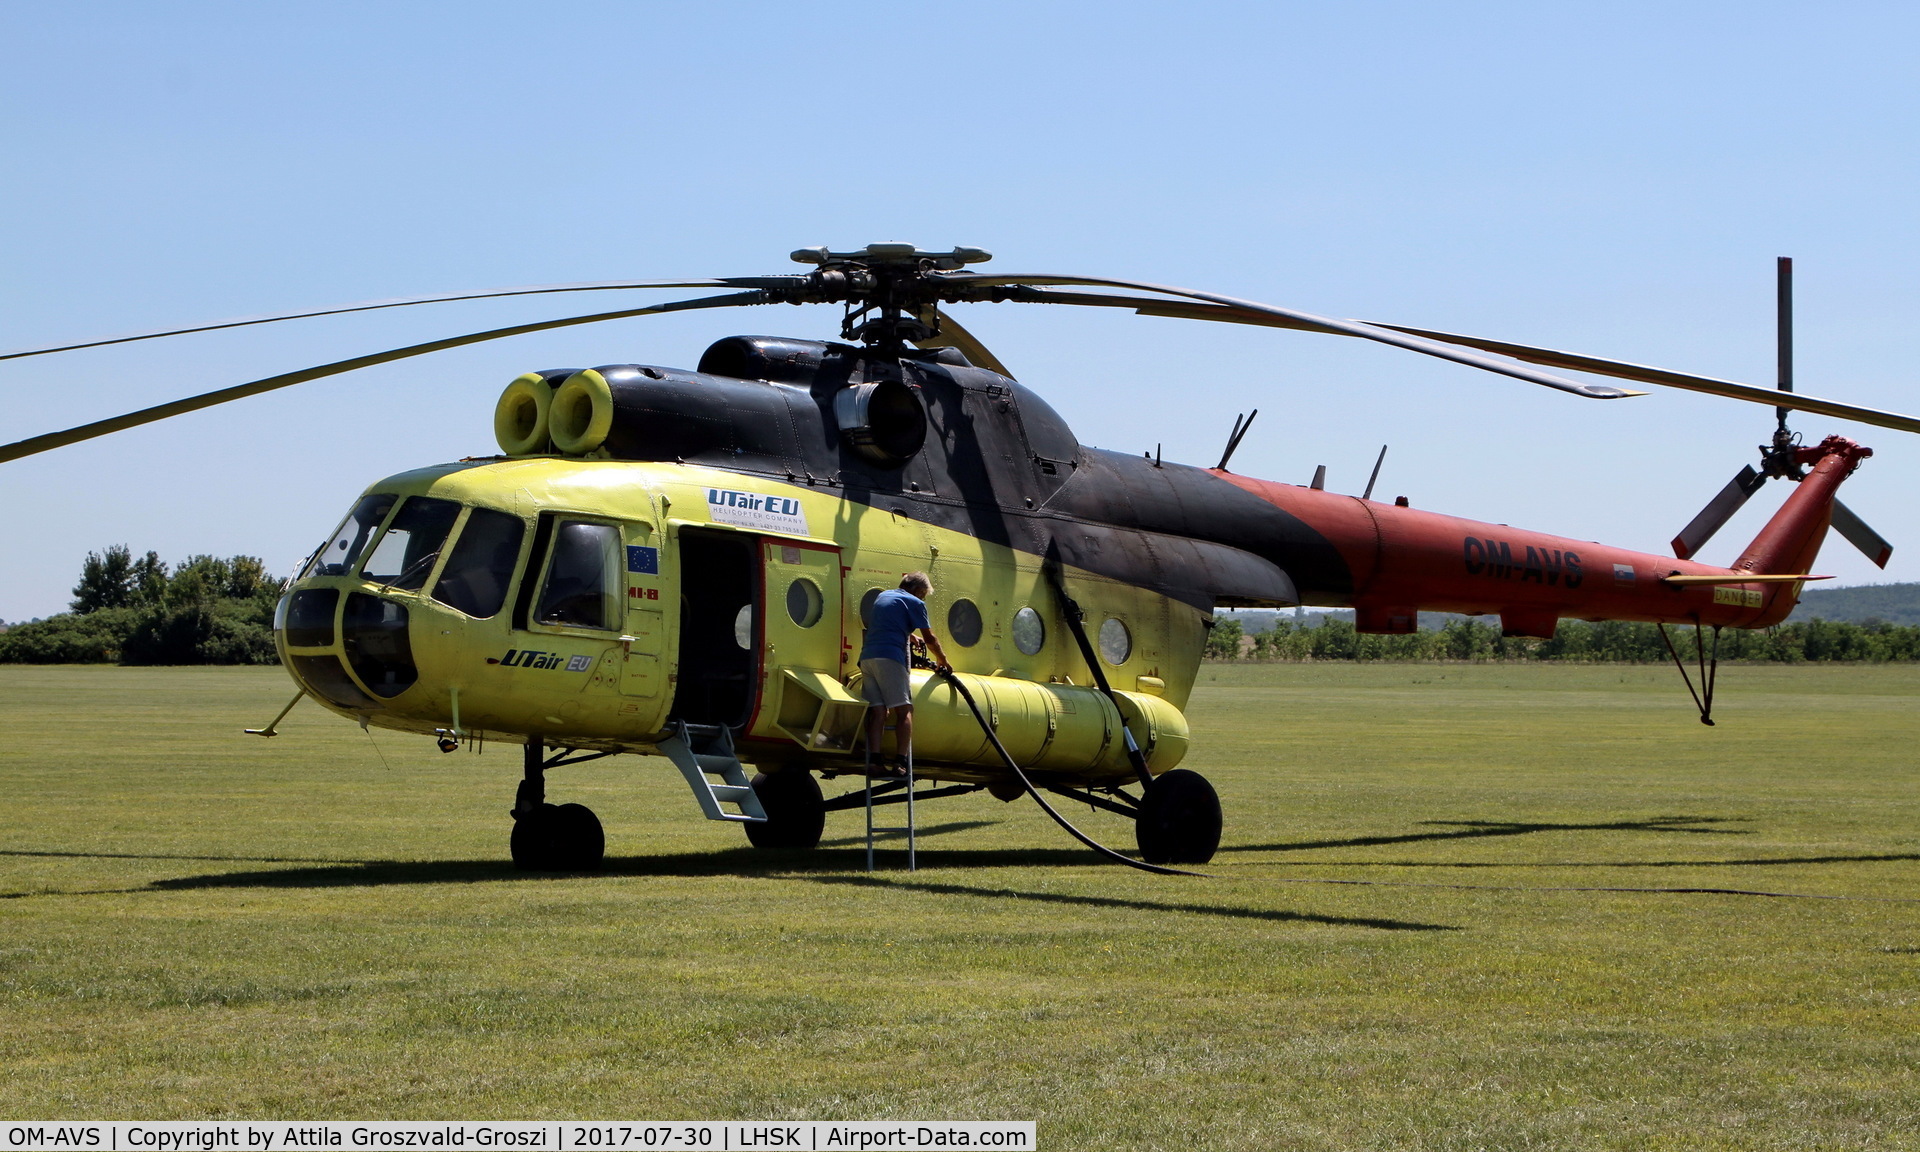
point(582, 413)
point(520, 418)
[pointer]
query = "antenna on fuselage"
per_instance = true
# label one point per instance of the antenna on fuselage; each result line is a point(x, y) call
point(1240, 426)
point(1378, 460)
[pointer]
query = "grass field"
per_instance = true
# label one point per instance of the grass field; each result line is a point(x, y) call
point(1456, 907)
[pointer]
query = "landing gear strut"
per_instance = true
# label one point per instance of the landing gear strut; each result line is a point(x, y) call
point(548, 837)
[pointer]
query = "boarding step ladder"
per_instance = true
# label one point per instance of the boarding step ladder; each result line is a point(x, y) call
point(704, 750)
point(887, 785)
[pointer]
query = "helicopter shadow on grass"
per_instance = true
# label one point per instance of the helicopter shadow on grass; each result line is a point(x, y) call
point(196, 858)
point(327, 864)
point(831, 866)
point(1232, 911)
point(744, 862)
point(1483, 829)
point(826, 865)
point(890, 837)
point(1744, 862)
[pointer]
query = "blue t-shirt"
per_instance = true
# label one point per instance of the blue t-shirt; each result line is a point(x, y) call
point(893, 617)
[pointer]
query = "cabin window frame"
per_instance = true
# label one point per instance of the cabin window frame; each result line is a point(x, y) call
point(539, 568)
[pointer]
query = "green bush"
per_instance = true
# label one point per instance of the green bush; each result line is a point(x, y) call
point(1223, 639)
point(70, 638)
point(209, 610)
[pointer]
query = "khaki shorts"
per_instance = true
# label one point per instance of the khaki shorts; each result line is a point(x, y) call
point(884, 683)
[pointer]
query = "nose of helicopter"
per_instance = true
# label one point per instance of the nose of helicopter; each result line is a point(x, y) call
point(373, 633)
point(371, 639)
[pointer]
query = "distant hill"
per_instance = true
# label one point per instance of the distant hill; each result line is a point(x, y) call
point(1894, 603)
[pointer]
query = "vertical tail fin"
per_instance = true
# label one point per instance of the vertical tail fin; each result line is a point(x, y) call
point(1791, 540)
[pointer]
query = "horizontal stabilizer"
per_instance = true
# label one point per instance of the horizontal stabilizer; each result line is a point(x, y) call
point(1740, 578)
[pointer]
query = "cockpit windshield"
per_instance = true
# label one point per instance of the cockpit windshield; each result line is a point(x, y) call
point(480, 559)
point(480, 567)
point(411, 543)
point(338, 556)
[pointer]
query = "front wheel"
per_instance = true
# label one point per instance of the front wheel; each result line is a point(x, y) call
point(562, 838)
point(1179, 819)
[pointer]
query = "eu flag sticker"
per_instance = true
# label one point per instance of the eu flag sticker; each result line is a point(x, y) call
point(643, 560)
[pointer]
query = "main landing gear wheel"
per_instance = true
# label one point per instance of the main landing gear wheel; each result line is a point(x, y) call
point(1179, 820)
point(796, 812)
point(562, 838)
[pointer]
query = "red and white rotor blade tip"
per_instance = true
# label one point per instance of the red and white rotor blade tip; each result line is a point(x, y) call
point(1718, 511)
point(1855, 530)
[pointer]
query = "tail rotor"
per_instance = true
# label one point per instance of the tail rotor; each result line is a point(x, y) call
point(1777, 459)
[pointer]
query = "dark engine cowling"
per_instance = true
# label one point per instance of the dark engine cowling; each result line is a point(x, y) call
point(753, 399)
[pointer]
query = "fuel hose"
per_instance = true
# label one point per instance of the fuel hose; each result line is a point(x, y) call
point(1007, 758)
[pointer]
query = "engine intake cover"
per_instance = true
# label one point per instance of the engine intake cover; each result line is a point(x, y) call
point(882, 420)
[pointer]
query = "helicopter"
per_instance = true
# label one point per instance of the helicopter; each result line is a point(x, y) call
point(677, 562)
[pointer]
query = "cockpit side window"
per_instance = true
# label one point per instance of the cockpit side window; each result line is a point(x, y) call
point(406, 551)
point(481, 564)
point(338, 556)
point(582, 588)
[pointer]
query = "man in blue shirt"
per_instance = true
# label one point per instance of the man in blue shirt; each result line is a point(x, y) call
point(894, 617)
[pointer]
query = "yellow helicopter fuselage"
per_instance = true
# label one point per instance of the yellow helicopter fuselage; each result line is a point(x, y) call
point(641, 593)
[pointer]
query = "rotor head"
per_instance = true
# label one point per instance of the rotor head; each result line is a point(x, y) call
point(894, 256)
point(889, 289)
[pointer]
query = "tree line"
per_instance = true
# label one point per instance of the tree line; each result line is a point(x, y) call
point(214, 610)
point(206, 610)
point(1614, 641)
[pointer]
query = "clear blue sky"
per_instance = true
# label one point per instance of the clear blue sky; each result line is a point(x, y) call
point(1610, 178)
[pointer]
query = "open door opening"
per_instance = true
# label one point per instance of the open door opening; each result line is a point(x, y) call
point(719, 627)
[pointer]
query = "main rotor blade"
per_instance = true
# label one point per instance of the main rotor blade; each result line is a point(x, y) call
point(407, 301)
point(1718, 511)
point(1176, 309)
point(1245, 312)
point(1228, 309)
point(952, 335)
point(1645, 374)
point(1248, 308)
point(1871, 543)
point(54, 440)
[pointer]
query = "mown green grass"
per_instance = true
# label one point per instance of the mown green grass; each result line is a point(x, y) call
point(197, 923)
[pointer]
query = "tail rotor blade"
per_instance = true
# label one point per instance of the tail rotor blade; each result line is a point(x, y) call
point(1856, 532)
point(1718, 511)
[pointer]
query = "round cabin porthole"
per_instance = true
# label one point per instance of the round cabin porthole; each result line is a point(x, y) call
point(743, 627)
point(866, 607)
point(804, 602)
point(1116, 643)
point(1029, 631)
point(963, 623)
